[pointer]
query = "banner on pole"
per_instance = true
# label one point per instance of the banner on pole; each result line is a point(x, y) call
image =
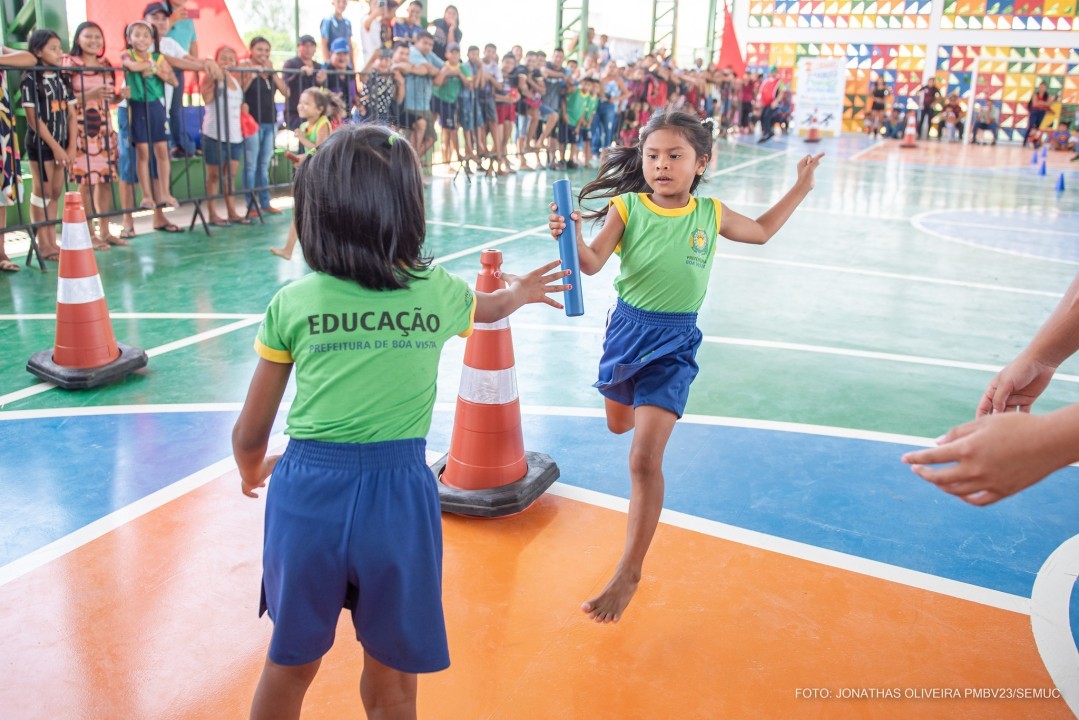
point(818, 100)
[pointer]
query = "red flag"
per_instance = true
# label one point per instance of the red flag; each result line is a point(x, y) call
point(213, 24)
point(729, 52)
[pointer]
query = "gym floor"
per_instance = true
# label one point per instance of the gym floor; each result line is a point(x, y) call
point(800, 569)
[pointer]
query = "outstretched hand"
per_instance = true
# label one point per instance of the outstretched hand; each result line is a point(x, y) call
point(807, 166)
point(992, 457)
point(264, 472)
point(1016, 386)
point(557, 223)
point(534, 287)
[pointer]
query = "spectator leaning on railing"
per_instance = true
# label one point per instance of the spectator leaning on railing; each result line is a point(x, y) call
point(260, 85)
point(301, 73)
point(95, 164)
point(10, 169)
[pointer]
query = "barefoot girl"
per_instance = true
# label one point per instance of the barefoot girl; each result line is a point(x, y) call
point(352, 514)
point(666, 238)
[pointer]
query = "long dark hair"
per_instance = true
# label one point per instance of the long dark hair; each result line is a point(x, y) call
point(359, 208)
point(76, 48)
point(623, 170)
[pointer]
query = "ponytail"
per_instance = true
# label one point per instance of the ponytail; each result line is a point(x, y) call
point(622, 172)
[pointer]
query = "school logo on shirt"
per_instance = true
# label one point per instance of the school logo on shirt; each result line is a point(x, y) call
point(698, 243)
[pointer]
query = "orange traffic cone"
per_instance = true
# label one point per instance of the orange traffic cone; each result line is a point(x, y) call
point(910, 133)
point(86, 353)
point(487, 471)
point(813, 134)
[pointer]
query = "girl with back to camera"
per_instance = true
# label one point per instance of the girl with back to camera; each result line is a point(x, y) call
point(666, 239)
point(352, 514)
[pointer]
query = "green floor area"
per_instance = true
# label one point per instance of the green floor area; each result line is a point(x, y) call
point(812, 285)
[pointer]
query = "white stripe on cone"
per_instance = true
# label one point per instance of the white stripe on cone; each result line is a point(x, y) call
point(488, 387)
point(75, 236)
point(503, 324)
point(76, 291)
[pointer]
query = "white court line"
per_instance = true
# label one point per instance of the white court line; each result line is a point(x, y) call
point(118, 518)
point(811, 553)
point(864, 151)
point(801, 347)
point(1050, 619)
point(491, 244)
point(121, 410)
point(1015, 228)
point(145, 316)
point(747, 163)
point(891, 276)
point(843, 561)
point(153, 352)
point(487, 228)
point(918, 221)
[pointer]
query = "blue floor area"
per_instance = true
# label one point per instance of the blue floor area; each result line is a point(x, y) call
point(852, 496)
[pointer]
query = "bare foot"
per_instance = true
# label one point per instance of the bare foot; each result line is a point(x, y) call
point(281, 253)
point(609, 604)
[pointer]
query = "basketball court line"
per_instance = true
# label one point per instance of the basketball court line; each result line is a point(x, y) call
point(152, 352)
point(865, 150)
point(984, 226)
point(885, 571)
point(802, 347)
point(747, 163)
point(918, 222)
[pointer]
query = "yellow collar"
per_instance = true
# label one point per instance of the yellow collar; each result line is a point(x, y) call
point(668, 212)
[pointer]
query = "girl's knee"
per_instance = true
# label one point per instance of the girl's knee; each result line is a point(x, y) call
point(294, 673)
point(645, 462)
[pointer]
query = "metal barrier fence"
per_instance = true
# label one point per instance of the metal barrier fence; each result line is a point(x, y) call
point(110, 123)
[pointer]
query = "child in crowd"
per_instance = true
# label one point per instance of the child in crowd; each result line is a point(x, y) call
point(455, 75)
point(352, 511)
point(588, 116)
point(10, 169)
point(382, 91)
point(318, 108)
point(147, 73)
point(222, 137)
point(505, 97)
point(49, 102)
point(651, 340)
point(1062, 138)
point(337, 27)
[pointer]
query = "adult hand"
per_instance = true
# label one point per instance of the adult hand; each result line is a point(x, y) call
point(1016, 386)
point(994, 457)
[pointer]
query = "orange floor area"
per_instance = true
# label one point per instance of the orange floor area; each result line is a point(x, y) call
point(158, 620)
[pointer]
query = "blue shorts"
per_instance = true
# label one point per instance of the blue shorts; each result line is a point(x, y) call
point(447, 114)
point(147, 121)
point(218, 152)
point(649, 358)
point(357, 527)
point(466, 112)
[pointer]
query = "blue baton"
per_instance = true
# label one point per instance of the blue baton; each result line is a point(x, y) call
point(573, 299)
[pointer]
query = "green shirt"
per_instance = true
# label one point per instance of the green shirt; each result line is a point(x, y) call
point(366, 360)
point(451, 87)
point(574, 107)
point(590, 104)
point(145, 89)
point(666, 254)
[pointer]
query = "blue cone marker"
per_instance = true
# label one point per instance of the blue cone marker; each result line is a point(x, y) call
point(573, 299)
